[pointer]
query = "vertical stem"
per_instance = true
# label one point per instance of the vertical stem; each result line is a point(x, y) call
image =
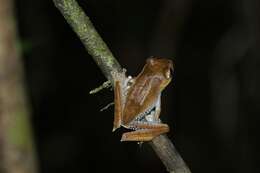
point(16, 145)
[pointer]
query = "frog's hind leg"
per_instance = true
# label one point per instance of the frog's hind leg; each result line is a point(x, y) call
point(145, 132)
point(118, 106)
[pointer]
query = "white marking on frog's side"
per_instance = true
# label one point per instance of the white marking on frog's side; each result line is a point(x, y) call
point(149, 118)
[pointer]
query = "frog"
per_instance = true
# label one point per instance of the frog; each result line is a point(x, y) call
point(138, 100)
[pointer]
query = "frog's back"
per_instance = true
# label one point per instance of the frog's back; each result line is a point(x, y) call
point(141, 96)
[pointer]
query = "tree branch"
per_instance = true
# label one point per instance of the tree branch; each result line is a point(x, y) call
point(85, 30)
point(169, 155)
point(97, 48)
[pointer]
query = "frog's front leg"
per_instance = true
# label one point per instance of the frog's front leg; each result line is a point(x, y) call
point(119, 83)
point(145, 132)
point(118, 106)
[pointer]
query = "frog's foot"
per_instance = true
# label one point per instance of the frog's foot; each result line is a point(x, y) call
point(145, 132)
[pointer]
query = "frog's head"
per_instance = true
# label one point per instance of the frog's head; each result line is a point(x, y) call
point(162, 68)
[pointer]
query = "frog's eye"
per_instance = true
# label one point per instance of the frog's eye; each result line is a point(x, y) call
point(150, 60)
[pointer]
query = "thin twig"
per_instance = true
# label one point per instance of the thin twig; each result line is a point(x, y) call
point(97, 48)
point(107, 106)
point(106, 84)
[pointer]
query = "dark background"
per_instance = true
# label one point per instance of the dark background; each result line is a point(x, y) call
point(212, 105)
